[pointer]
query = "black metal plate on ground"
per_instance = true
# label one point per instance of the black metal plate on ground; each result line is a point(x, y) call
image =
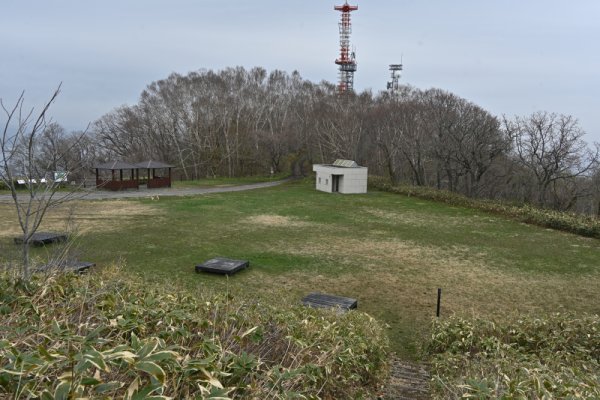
point(223, 266)
point(322, 300)
point(43, 238)
point(72, 266)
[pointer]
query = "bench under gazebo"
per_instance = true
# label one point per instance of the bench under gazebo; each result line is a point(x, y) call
point(153, 179)
point(117, 181)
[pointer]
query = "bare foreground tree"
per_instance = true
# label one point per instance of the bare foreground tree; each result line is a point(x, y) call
point(31, 179)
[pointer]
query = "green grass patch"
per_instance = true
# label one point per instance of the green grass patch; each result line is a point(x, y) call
point(579, 224)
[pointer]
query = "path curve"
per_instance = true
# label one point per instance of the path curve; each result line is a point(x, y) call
point(148, 193)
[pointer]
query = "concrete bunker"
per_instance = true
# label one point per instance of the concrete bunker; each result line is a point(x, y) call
point(343, 176)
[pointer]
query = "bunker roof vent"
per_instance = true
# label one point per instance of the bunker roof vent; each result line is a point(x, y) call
point(345, 163)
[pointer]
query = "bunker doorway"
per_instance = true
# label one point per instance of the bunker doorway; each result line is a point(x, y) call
point(335, 183)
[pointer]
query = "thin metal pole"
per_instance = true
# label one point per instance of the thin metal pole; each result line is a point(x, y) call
point(439, 302)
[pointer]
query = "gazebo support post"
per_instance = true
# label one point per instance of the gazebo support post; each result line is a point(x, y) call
point(128, 177)
point(155, 179)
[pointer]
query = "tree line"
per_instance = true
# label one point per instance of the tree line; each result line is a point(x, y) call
point(236, 122)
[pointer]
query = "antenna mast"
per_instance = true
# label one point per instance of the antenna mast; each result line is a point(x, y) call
point(346, 61)
point(394, 84)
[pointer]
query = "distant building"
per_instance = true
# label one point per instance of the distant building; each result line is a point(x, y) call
point(343, 176)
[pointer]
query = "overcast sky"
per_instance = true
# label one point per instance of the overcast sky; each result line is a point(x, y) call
point(511, 57)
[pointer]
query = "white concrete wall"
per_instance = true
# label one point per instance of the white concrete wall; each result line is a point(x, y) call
point(353, 180)
point(323, 181)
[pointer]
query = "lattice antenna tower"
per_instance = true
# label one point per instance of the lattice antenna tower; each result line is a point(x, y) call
point(347, 60)
point(394, 85)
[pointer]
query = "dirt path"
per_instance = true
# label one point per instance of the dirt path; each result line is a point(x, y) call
point(407, 382)
point(93, 194)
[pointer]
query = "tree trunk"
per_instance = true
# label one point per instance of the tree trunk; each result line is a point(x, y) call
point(25, 258)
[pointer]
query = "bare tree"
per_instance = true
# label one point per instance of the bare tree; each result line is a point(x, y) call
point(52, 141)
point(392, 122)
point(20, 161)
point(398, 123)
point(341, 125)
point(477, 142)
point(596, 192)
point(441, 123)
point(551, 147)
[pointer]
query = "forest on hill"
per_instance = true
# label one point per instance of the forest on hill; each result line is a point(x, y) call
point(238, 122)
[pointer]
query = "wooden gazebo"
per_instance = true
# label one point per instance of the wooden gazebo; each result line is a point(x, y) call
point(154, 180)
point(117, 182)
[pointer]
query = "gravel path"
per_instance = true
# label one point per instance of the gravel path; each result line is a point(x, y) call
point(93, 194)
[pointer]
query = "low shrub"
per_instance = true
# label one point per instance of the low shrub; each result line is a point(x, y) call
point(583, 225)
point(99, 336)
point(555, 356)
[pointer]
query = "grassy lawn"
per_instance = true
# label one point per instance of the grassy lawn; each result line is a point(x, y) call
point(391, 252)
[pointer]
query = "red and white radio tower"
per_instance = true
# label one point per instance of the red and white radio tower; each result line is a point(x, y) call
point(346, 61)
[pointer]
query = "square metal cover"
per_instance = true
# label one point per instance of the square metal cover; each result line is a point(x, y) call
point(322, 300)
point(43, 238)
point(67, 266)
point(224, 266)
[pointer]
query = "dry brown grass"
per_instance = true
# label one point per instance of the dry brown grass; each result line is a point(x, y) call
point(83, 216)
point(421, 219)
point(108, 216)
point(274, 221)
point(382, 290)
point(9, 225)
point(372, 252)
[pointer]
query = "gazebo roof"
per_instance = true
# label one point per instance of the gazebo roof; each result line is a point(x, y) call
point(115, 165)
point(150, 164)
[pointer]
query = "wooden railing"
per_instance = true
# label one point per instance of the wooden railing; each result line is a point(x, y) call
point(117, 185)
point(159, 182)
